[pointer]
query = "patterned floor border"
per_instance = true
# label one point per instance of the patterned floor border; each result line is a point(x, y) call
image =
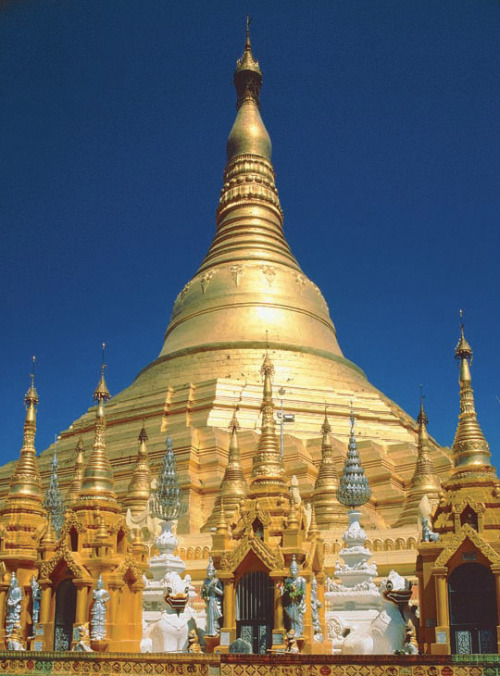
point(73, 664)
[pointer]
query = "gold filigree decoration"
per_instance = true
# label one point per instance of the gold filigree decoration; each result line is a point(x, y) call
point(454, 543)
point(129, 564)
point(67, 557)
point(459, 507)
point(71, 521)
point(271, 559)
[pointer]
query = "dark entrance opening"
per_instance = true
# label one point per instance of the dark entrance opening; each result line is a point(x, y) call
point(473, 610)
point(255, 610)
point(65, 615)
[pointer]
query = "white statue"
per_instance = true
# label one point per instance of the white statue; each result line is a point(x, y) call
point(14, 600)
point(212, 592)
point(315, 606)
point(36, 596)
point(170, 633)
point(98, 612)
point(294, 591)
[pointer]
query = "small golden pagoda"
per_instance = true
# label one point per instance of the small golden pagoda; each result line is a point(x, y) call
point(254, 557)
point(458, 563)
point(425, 481)
point(92, 549)
point(22, 518)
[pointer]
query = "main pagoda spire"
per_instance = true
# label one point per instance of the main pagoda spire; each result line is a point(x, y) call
point(249, 271)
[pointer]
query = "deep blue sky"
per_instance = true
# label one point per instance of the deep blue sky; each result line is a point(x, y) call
point(385, 121)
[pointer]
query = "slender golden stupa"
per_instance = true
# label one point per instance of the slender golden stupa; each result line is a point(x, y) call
point(250, 297)
point(465, 544)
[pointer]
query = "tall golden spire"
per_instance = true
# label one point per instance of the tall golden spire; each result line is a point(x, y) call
point(268, 472)
point(249, 271)
point(470, 450)
point(424, 480)
point(329, 511)
point(76, 483)
point(139, 488)
point(25, 481)
point(249, 182)
point(98, 477)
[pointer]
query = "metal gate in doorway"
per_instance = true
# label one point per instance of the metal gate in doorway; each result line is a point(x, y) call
point(255, 610)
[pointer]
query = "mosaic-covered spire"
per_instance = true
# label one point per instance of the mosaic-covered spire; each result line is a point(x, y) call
point(354, 489)
point(53, 501)
point(166, 497)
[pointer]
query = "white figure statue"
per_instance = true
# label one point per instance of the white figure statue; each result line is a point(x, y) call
point(98, 612)
point(14, 600)
point(315, 606)
point(294, 591)
point(36, 596)
point(212, 592)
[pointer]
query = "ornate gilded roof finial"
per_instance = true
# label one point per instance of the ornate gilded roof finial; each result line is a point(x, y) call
point(98, 479)
point(470, 449)
point(327, 508)
point(268, 471)
point(248, 75)
point(101, 392)
point(25, 481)
point(76, 483)
point(139, 488)
point(354, 489)
point(53, 501)
point(248, 135)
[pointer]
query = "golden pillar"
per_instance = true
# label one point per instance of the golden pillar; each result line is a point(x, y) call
point(82, 595)
point(279, 625)
point(229, 607)
point(442, 641)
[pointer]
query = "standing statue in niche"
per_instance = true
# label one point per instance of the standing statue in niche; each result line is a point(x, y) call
point(98, 612)
point(315, 606)
point(212, 593)
point(14, 600)
point(294, 604)
point(36, 596)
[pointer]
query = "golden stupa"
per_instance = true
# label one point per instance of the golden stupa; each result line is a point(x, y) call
point(250, 296)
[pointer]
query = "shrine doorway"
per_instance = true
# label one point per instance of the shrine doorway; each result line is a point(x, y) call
point(255, 610)
point(473, 610)
point(65, 615)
